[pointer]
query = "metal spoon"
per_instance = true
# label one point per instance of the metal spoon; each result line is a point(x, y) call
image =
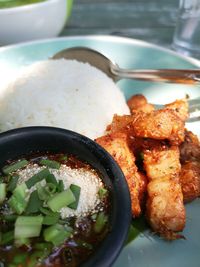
point(100, 61)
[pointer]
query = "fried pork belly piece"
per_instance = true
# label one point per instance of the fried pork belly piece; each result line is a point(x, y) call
point(190, 148)
point(180, 108)
point(190, 180)
point(116, 144)
point(165, 209)
point(158, 124)
point(120, 124)
point(162, 161)
point(139, 103)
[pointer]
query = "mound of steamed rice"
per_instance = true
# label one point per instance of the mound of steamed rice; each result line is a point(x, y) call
point(61, 93)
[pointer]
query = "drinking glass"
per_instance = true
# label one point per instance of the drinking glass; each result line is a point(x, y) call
point(186, 38)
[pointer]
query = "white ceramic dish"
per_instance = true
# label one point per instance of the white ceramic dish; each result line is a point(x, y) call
point(33, 21)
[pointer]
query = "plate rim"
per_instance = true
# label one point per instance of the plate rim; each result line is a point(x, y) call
point(116, 39)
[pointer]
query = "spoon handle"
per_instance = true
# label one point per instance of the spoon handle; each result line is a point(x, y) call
point(183, 76)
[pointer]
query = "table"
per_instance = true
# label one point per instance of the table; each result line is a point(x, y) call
point(149, 20)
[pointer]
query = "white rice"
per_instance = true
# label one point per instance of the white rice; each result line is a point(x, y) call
point(61, 93)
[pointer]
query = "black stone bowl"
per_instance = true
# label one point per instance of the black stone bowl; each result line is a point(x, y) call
point(17, 143)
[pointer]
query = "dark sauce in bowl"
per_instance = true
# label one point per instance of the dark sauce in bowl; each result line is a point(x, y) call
point(85, 236)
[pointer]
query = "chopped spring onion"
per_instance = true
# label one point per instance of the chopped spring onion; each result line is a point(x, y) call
point(34, 203)
point(37, 178)
point(28, 226)
point(36, 257)
point(50, 220)
point(100, 222)
point(50, 163)
point(60, 200)
point(102, 192)
point(47, 191)
point(56, 234)
point(60, 186)
point(46, 211)
point(51, 188)
point(13, 183)
point(2, 192)
point(7, 238)
point(19, 259)
point(15, 166)
point(51, 179)
point(8, 217)
point(18, 200)
point(76, 191)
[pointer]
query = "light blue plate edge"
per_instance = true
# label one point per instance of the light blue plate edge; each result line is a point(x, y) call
point(147, 250)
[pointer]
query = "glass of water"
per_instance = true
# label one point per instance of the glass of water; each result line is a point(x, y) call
point(186, 38)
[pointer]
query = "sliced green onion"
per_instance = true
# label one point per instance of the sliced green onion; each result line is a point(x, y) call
point(60, 186)
point(51, 188)
point(36, 257)
point(51, 179)
point(101, 220)
point(28, 226)
point(102, 192)
point(56, 234)
point(37, 178)
point(42, 193)
point(18, 201)
point(50, 220)
point(7, 238)
point(19, 259)
point(60, 200)
point(47, 211)
point(50, 163)
point(47, 191)
point(2, 192)
point(13, 183)
point(34, 203)
point(15, 166)
point(76, 190)
point(9, 217)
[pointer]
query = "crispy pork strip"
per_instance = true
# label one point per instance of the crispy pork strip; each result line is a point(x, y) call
point(165, 209)
point(162, 161)
point(116, 144)
point(180, 108)
point(190, 180)
point(119, 124)
point(158, 124)
point(139, 103)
